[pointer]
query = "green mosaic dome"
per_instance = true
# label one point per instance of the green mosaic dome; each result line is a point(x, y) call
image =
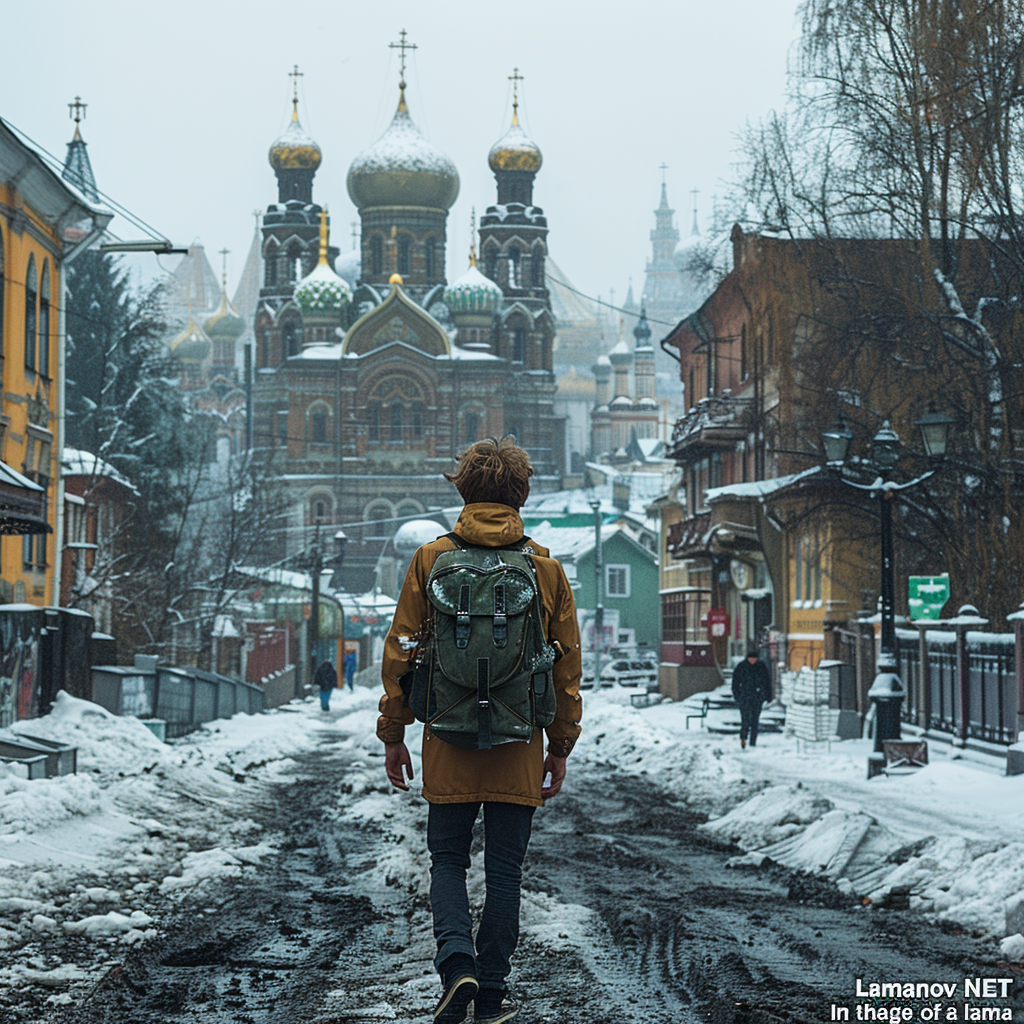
point(322, 291)
point(473, 293)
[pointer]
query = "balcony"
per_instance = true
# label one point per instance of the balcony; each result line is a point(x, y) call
point(714, 424)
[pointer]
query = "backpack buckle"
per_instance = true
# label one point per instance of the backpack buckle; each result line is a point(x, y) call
point(462, 619)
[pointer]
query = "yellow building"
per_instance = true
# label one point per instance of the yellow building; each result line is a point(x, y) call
point(44, 224)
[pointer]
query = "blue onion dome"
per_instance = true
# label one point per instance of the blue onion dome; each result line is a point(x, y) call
point(515, 151)
point(322, 291)
point(225, 321)
point(473, 293)
point(403, 169)
point(295, 149)
point(192, 345)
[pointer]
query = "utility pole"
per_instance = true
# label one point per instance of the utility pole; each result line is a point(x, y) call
point(599, 610)
point(314, 604)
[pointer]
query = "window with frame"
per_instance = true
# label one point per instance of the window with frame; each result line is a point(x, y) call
point(376, 255)
point(270, 266)
point(537, 268)
point(373, 421)
point(429, 258)
point(31, 286)
point(290, 338)
point(405, 255)
point(44, 321)
point(616, 580)
point(318, 426)
point(470, 427)
point(491, 263)
point(282, 426)
point(513, 267)
point(518, 345)
point(417, 419)
point(395, 421)
point(807, 570)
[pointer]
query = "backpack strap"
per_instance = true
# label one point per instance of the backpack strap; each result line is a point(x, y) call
point(500, 618)
point(462, 619)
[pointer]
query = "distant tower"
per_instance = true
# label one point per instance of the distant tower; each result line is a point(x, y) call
point(403, 187)
point(291, 226)
point(662, 287)
point(514, 232)
point(77, 167)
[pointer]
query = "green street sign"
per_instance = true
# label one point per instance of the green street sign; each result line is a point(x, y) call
point(927, 595)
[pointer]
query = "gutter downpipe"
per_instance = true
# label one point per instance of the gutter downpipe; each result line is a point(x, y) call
point(99, 226)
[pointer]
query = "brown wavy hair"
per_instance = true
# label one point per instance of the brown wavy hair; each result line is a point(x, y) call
point(493, 471)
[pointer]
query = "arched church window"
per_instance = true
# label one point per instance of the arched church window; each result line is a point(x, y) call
point(373, 421)
point(429, 258)
point(396, 421)
point(470, 428)
point(44, 321)
point(491, 264)
point(405, 255)
point(537, 268)
point(318, 426)
point(320, 511)
point(417, 419)
point(31, 284)
point(518, 344)
point(513, 267)
point(294, 262)
point(290, 338)
point(376, 255)
point(270, 265)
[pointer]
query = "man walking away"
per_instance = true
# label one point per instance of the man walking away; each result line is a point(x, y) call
point(751, 687)
point(349, 668)
point(464, 771)
point(326, 680)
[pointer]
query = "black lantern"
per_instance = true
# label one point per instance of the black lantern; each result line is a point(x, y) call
point(885, 447)
point(935, 431)
point(836, 442)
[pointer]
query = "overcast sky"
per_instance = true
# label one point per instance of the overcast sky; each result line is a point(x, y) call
point(185, 99)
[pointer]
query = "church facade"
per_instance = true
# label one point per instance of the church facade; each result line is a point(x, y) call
point(365, 389)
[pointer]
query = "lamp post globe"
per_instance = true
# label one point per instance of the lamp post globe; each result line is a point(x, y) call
point(836, 442)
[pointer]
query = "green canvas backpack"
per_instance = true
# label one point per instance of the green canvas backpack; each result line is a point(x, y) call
point(483, 676)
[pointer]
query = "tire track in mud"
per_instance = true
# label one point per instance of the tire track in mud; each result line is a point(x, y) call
point(630, 917)
point(699, 942)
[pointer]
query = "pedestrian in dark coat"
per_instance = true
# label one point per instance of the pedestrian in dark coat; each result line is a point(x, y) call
point(751, 687)
point(349, 668)
point(326, 680)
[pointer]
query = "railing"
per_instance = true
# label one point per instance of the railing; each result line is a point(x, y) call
point(992, 689)
point(717, 413)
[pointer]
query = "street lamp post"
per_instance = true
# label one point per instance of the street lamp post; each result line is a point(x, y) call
point(599, 609)
point(887, 690)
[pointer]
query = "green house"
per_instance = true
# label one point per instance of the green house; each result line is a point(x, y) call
point(629, 575)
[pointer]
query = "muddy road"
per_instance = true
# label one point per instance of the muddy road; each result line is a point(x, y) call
point(630, 915)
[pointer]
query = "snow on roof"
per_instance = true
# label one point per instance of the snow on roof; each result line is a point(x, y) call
point(8, 475)
point(759, 488)
point(76, 462)
point(572, 542)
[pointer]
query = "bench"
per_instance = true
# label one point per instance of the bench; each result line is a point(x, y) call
point(699, 715)
point(645, 700)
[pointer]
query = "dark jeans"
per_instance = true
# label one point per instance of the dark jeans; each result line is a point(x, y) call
point(325, 700)
point(749, 715)
point(506, 835)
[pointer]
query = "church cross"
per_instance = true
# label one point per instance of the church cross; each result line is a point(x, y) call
point(76, 110)
point(403, 46)
point(355, 233)
point(224, 267)
point(515, 78)
point(663, 168)
point(295, 74)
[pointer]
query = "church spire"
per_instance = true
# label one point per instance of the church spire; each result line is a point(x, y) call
point(77, 166)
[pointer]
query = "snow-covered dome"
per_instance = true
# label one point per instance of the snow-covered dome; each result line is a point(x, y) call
point(349, 265)
point(225, 321)
point(414, 534)
point(515, 151)
point(622, 402)
point(646, 403)
point(620, 355)
point(322, 291)
point(192, 345)
point(402, 169)
point(295, 149)
point(473, 293)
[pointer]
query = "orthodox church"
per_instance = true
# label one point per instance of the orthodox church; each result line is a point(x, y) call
point(365, 388)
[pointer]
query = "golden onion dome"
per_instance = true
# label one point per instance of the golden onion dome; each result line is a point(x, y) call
point(225, 321)
point(296, 149)
point(403, 169)
point(515, 151)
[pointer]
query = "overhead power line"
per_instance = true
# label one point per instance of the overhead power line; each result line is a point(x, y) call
point(608, 305)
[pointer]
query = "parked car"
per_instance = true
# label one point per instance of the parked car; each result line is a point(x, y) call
point(623, 671)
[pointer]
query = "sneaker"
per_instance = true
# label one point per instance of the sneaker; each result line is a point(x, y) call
point(743, 744)
point(454, 1004)
point(493, 1007)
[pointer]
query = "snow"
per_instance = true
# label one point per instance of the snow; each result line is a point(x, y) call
point(104, 854)
point(402, 148)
